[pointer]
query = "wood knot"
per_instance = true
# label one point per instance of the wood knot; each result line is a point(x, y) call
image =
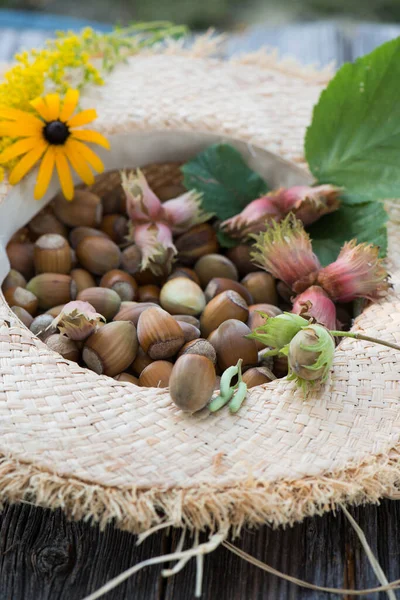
point(54, 559)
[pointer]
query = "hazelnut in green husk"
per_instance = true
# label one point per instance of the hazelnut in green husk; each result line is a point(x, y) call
point(310, 355)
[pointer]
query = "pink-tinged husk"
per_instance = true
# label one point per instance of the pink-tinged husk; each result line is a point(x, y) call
point(77, 320)
point(157, 247)
point(184, 212)
point(142, 204)
point(358, 272)
point(285, 251)
point(309, 203)
point(316, 303)
point(253, 218)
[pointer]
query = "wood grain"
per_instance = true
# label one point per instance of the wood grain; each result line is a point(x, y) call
point(45, 557)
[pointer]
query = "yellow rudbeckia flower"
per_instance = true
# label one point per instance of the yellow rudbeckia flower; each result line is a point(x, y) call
point(54, 138)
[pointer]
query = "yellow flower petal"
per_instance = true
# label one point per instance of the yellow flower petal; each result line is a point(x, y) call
point(21, 129)
point(20, 147)
point(70, 103)
point(64, 173)
point(45, 172)
point(88, 154)
point(88, 135)
point(82, 118)
point(79, 164)
point(41, 107)
point(16, 115)
point(27, 163)
point(53, 105)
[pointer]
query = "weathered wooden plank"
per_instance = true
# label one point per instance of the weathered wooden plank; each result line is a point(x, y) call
point(365, 37)
point(45, 557)
point(319, 43)
point(313, 550)
point(380, 525)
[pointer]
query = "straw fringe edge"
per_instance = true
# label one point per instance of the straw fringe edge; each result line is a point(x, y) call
point(249, 503)
point(211, 45)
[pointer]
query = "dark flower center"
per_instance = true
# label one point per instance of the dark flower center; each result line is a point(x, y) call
point(56, 132)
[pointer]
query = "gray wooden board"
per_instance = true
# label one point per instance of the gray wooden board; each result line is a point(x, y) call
point(45, 557)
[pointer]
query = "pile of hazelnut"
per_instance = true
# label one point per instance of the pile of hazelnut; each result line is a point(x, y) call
point(180, 330)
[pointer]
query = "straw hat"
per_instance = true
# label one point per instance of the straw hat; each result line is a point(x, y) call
point(105, 450)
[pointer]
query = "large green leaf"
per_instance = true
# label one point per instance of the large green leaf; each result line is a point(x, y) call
point(366, 222)
point(354, 138)
point(227, 183)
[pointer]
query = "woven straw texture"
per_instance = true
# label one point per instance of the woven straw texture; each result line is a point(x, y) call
point(107, 450)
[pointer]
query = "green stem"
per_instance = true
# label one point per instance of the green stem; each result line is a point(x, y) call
point(220, 401)
point(239, 366)
point(238, 398)
point(365, 338)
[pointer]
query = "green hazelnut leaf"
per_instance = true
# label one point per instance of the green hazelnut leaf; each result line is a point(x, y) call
point(354, 138)
point(365, 222)
point(228, 185)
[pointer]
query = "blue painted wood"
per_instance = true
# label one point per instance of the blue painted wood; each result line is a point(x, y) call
point(319, 43)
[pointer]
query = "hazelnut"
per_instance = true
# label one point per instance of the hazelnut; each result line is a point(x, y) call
point(131, 259)
point(52, 289)
point(122, 283)
point(105, 301)
point(116, 227)
point(41, 326)
point(189, 331)
point(257, 376)
point(192, 382)
point(141, 361)
point(131, 311)
point(20, 256)
point(198, 241)
point(215, 265)
point(156, 374)
point(217, 285)
point(52, 254)
point(13, 279)
point(201, 347)
point(184, 272)
point(149, 293)
point(81, 233)
point(64, 346)
point(84, 210)
point(187, 319)
point(98, 255)
point(182, 296)
point(127, 377)
point(228, 305)
point(22, 315)
point(159, 334)
point(111, 349)
point(231, 344)
point(262, 287)
point(22, 297)
point(46, 222)
point(280, 366)
point(241, 258)
point(83, 279)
